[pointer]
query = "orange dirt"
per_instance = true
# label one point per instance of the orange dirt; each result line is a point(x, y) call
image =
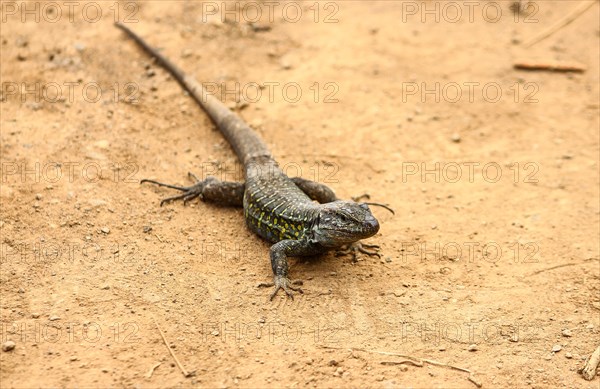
point(491, 262)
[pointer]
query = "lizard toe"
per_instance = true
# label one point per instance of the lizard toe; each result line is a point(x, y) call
point(282, 283)
point(359, 247)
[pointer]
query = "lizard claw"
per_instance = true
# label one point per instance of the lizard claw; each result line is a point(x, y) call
point(359, 247)
point(284, 283)
point(189, 192)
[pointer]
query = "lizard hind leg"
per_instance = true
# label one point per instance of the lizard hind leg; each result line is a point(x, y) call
point(210, 190)
point(315, 190)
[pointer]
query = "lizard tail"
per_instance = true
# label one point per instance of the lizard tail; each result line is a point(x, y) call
point(244, 140)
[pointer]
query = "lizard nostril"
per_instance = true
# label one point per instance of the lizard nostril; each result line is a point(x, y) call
point(372, 224)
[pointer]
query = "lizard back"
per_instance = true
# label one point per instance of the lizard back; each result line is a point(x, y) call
point(274, 207)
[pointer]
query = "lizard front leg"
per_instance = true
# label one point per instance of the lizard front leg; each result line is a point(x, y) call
point(280, 251)
point(210, 190)
point(372, 250)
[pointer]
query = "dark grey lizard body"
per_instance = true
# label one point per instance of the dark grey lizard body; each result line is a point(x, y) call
point(278, 208)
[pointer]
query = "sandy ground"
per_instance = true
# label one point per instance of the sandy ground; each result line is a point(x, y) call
point(490, 264)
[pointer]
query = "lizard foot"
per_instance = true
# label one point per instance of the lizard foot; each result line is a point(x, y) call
point(359, 247)
point(189, 192)
point(284, 283)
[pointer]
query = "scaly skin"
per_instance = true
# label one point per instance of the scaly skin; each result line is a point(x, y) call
point(276, 207)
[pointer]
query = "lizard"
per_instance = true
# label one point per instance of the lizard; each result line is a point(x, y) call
point(298, 216)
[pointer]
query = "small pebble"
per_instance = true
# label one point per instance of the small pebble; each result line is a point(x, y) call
point(9, 345)
point(556, 348)
point(105, 230)
point(333, 362)
point(53, 318)
point(285, 63)
point(35, 315)
point(567, 333)
point(455, 138)
point(105, 287)
point(97, 202)
point(260, 27)
point(103, 144)
point(472, 347)
point(568, 355)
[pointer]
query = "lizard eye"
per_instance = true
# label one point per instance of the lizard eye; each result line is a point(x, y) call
point(343, 218)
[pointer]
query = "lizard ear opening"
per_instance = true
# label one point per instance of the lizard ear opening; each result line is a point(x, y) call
point(316, 221)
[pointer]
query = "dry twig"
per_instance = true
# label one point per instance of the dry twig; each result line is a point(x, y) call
point(583, 6)
point(185, 372)
point(415, 361)
point(149, 375)
point(588, 370)
point(559, 266)
point(406, 361)
point(550, 66)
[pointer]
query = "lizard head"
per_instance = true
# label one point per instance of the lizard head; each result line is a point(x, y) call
point(344, 222)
